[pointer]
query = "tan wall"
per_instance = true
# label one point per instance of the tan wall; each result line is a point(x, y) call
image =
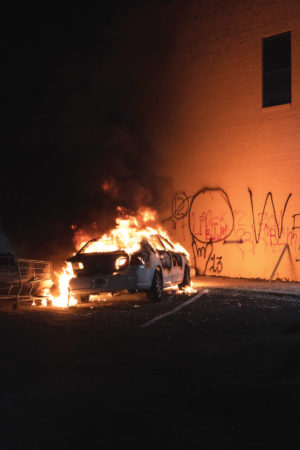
point(213, 133)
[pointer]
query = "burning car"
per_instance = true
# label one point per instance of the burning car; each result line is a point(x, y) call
point(151, 263)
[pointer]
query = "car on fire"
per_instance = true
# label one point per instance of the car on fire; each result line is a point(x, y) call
point(154, 267)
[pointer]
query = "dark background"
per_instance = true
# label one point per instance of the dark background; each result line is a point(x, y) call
point(221, 373)
point(80, 89)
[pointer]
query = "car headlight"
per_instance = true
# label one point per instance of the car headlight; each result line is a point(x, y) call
point(78, 266)
point(121, 262)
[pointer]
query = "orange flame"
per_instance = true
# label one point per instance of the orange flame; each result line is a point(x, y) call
point(127, 235)
point(63, 299)
point(110, 187)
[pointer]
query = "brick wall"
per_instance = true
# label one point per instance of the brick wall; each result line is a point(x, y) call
point(228, 157)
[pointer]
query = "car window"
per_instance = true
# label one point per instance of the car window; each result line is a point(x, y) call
point(177, 260)
point(156, 242)
point(168, 245)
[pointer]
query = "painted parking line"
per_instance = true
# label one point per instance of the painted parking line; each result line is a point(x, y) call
point(178, 308)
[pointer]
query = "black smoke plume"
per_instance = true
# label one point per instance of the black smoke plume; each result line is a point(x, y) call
point(79, 91)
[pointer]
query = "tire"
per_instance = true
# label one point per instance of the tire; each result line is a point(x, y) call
point(186, 278)
point(155, 293)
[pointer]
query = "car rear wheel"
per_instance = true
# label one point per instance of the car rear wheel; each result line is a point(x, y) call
point(155, 294)
point(186, 278)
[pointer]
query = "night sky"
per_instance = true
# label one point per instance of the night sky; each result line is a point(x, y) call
point(78, 88)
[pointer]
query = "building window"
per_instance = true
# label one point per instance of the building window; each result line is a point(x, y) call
point(276, 70)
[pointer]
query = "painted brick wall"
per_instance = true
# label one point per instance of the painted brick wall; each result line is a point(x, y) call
point(228, 156)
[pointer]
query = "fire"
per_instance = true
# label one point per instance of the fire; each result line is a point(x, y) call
point(64, 299)
point(110, 187)
point(127, 235)
point(187, 290)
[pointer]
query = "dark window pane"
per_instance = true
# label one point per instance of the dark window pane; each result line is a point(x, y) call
point(277, 52)
point(277, 69)
point(277, 88)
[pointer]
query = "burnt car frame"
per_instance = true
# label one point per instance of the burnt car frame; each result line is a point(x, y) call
point(156, 266)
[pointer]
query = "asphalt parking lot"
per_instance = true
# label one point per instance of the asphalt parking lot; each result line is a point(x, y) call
point(218, 372)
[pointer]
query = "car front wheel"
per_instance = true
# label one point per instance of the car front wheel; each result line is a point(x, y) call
point(155, 294)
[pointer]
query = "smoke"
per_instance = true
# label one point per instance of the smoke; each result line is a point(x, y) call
point(5, 245)
point(80, 146)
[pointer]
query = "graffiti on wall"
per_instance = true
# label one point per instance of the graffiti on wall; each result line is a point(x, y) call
point(279, 227)
point(208, 217)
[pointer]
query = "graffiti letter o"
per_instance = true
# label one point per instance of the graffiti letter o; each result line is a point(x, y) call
point(211, 217)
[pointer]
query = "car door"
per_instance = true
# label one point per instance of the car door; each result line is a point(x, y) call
point(177, 268)
point(166, 263)
point(176, 272)
point(165, 258)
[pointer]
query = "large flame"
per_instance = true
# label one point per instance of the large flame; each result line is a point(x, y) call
point(63, 299)
point(127, 235)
